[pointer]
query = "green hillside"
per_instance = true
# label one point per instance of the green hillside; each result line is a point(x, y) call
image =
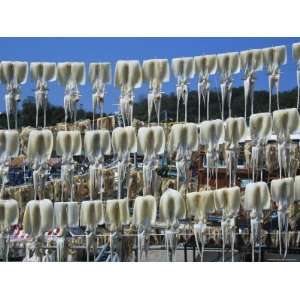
point(261, 104)
point(55, 114)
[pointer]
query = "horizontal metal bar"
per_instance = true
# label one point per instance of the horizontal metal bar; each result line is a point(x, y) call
point(210, 235)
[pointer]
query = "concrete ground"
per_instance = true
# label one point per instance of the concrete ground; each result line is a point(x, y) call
point(160, 255)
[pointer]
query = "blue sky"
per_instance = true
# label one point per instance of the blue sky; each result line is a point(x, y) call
point(113, 49)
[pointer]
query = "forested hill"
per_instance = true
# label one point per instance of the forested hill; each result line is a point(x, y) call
point(55, 114)
point(261, 104)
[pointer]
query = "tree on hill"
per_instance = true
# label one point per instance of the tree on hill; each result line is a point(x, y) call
point(55, 114)
point(169, 104)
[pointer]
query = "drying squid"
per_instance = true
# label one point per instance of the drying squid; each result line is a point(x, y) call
point(68, 144)
point(144, 217)
point(13, 74)
point(97, 143)
point(234, 132)
point(297, 188)
point(251, 62)
point(257, 199)
point(260, 131)
point(116, 216)
point(199, 205)
point(71, 75)
point(183, 140)
point(228, 65)
point(9, 210)
point(155, 71)
point(183, 70)
point(296, 55)
point(128, 76)
point(283, 193)
point(211, 135)
point(42, 72)
point(171, 209)
point(151, 143)
point(273, 59)
point(37, 220)
point(40, 145)
point(228, 200)
point(9, 216)
point(66, 215)
point(100, 76)
point(124, 142)
point(285, 123)
point(205, 65)
point(9, 147)
point(91, 215)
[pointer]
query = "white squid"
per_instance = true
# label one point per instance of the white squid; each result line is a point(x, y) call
point(100, 76)
point(211, 135)
point(297, 188)
point(260, 131)
point(70, 75)
point(234, 132)
point(13, 74)
point(283, 193)
point(257, 199)
point(183, 69)
point(228, 200)
point(285, 123)
point(228, 65)
point(124, 142)
point(9, 209)
point(251, 62)
point(172, 208)
point(68, 144)
point(199, 205)
point(205, 65)
point(97, 143)
point(116, 216)
point(183, 140)
point(128, 76)
point(37, 220)
point(66, 215)
point(296, 55)
point(144, 217)
point(151, 144)
point(273, 58)
point(9, 216)
point(42, 72)
point(9, 148)
point(40, 145)
point(155, 71)
point(91, 215)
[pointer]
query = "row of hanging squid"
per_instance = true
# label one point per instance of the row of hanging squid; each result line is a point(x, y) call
point(130, 74)
point(183, 140)
point(153, 143)
point(41, 216)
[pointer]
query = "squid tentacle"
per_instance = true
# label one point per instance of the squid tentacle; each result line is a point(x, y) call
point(199, 232)
point(170, 243)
